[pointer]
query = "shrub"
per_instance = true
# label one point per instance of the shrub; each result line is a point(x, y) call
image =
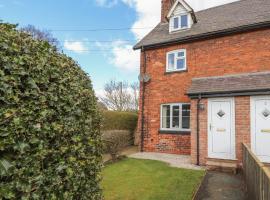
point(50, 143)
point(114, 120)
point(115, 141)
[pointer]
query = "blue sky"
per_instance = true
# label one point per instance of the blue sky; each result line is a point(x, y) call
point(106, 54)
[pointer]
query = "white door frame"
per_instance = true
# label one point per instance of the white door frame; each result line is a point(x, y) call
point(232, 156)
point(253, 120)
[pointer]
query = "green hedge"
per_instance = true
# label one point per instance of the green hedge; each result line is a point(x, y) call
point(113, 120)
point(50, 143)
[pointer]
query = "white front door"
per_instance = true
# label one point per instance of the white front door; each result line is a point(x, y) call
point(260, 127)
point(221, 128)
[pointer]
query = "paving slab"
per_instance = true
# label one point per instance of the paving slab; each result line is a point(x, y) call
point(222, 186)
point(179, 161)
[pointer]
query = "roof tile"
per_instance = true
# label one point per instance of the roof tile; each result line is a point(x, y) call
point(230, 84)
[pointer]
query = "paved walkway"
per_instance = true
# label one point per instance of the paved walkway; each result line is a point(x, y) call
point(178, 161)
point(222, 186)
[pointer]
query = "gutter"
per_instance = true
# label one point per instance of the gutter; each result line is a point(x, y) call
point(198, 130)
point(209, 35)
point(230, 94)
point(143, 97)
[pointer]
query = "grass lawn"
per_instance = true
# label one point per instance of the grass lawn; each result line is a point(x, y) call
point(133, 179)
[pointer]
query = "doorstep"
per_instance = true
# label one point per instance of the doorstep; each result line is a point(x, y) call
point(223, 165)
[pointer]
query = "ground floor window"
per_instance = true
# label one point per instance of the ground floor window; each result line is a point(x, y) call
point(175, 116)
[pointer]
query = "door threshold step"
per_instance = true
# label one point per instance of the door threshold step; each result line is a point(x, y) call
point(214, 164)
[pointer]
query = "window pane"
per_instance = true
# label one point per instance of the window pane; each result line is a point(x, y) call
point(181, 63)
point(184, 21)
point(186, 116)
point(176, 23)
point(171, 61)
point(181, 54)
point(176, 117)
point(166, 116)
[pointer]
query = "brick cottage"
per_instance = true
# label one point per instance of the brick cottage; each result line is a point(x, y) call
point(205, 82)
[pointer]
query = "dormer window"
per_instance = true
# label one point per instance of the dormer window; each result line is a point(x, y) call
point(179, 22)
point(181, 16)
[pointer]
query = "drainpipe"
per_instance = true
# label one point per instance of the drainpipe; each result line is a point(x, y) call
point(143, 96)
point(198, 129)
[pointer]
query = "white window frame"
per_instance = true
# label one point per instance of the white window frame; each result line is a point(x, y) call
point(171, 117)
point(176, 57)
point(172, 29)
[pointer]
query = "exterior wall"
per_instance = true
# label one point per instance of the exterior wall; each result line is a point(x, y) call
point(203, 123)
point(235, 54)
point(242, 128)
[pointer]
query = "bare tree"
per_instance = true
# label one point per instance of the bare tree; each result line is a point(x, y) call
point(117, 97)
point(135, 92)
point(101, 106)
point(41, 35)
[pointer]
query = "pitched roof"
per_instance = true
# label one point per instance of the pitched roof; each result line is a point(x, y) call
point(250, 82)
point(233, 17)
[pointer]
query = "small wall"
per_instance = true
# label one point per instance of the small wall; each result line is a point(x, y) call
point(167, 143)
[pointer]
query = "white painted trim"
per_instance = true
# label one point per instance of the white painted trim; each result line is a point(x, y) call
point(175, 60)
point(180, 117)
point(232, 156)
point(252, 123)
point(171, 23)
point(183, 3)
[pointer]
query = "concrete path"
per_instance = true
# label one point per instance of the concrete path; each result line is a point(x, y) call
point(222, 186)
point(178, 161)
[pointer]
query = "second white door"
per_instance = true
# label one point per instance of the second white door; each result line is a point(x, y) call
point(260, 127)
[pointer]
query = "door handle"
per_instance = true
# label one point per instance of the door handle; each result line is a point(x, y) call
point(265, 130)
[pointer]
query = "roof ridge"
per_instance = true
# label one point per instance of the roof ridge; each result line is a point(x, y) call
point(233, 75)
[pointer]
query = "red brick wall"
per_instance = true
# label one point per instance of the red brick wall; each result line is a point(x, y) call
point(242, 124)
point(240, 53)
point(203, 123)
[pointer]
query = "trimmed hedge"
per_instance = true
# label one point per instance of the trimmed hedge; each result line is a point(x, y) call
point(114, 120)
point(115, 140)
point(50, 142)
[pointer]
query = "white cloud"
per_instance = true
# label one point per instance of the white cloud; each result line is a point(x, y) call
point(148, 16)
point(122, 55)
point(77, 47)
point(125, 58)
point(100, 93)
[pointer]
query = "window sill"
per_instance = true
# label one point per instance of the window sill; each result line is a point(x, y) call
point(177, 71)
point(179, 30)
point(174, 132)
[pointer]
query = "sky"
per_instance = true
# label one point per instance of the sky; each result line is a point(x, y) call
point(98, 34)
